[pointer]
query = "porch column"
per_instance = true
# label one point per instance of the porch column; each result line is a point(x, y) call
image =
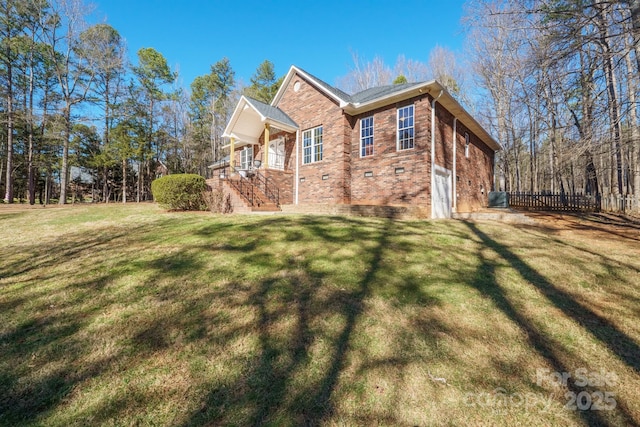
point(231, 155)
point(265, 157)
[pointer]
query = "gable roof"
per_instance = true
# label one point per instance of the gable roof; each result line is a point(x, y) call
point(370, 99)
point(270, 112)
point(249, 117)
point(333, 92)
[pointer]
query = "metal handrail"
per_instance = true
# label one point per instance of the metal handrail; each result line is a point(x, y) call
point(246, 186)
point(240, 186)
point(269, 188)
point(246, 189)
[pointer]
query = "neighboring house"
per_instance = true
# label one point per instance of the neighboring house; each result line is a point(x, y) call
point(374, 148)
point(80, 175)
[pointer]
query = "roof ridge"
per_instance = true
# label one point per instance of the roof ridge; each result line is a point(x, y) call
point(338, 92)
point(251, 98)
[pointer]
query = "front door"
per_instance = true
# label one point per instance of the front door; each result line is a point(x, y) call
point(276, 154)
point(441, 192)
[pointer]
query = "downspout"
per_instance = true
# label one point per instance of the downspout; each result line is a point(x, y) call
point(433, 147)
point(297, 167)
point(454, 178)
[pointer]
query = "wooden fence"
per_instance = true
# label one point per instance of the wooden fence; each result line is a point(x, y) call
point(573, 202)
point(620, 204)
point(554, 202)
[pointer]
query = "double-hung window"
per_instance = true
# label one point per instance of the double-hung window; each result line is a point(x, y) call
point(405, 127)
point(366, 136)
point(312, 145)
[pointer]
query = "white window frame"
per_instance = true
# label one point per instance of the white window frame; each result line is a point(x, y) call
point(312, 145)
point(467, 141)
point(403, 126)
point(366, 140)
point(246, 158)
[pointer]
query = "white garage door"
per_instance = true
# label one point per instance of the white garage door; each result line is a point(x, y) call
point(441, 197)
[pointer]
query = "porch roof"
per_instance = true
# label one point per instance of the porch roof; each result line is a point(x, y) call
point(248, 120)
point(222, 163)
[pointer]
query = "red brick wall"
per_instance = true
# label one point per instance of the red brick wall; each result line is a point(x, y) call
point(345, 169)
point(444, 136)
point(386, 187)
point(413, 187)
point(310, 108)
point(474, 175)
point(235, 202)
point(284, 181)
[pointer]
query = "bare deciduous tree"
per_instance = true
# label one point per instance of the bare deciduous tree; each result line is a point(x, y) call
point(562, 80)
point(63, 26)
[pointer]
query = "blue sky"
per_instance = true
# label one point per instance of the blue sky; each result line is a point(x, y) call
point(316, 36)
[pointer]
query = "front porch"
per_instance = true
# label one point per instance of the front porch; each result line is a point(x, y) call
point(261, 164)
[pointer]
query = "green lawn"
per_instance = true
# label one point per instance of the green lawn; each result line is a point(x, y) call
point(128, 315)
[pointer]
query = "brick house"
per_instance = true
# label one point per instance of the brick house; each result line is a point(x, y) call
point(374, 149)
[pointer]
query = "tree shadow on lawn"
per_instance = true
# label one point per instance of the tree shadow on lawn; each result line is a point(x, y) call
point(621, 226)
point(45, 256)
point(46, 350)
point(623, 346)
point(43, 353)
point(534, 232)
point(288, 381)
point(613, 266)
point(10, 215)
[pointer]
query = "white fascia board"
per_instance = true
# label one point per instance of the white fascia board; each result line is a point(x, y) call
point(238, 144)
point(241, 139)
point(277, 124)
point(292, 71)
point(221, 163)
point(285, 83)
point(447, 101)
point(320, 87)
point(451, 104)
point(235, 116)
point(263, 119)
point(270, 121)
point(358, 108)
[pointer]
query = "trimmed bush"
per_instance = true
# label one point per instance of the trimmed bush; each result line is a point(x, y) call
point(181, 192)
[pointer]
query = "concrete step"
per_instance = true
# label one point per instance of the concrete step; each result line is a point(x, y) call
point(496, 214)
point(267, 207)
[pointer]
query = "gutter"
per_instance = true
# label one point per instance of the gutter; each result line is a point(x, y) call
point(433, 147)
point(352, 108)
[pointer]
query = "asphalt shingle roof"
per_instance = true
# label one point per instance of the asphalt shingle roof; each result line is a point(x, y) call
point(365, 95)
point(379, 92)
point(271, 112)
point(334, 90)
